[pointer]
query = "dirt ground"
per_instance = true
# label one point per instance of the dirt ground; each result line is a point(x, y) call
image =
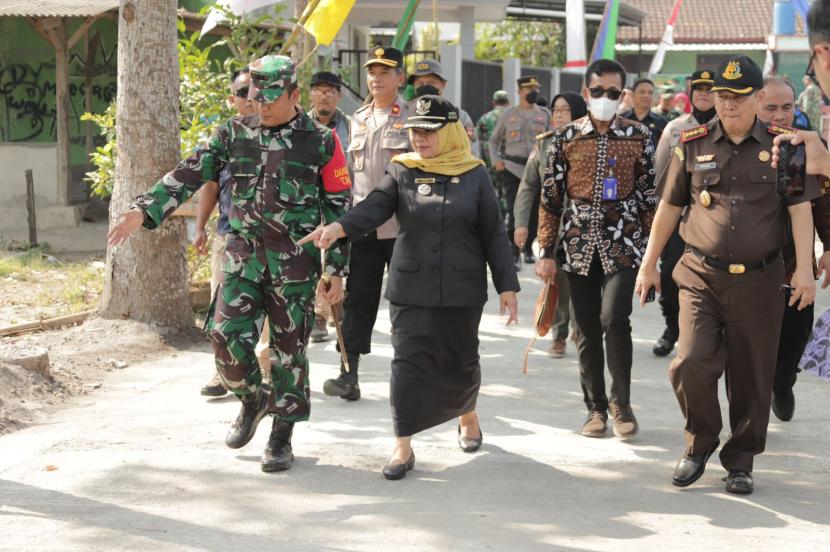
point(80, 357)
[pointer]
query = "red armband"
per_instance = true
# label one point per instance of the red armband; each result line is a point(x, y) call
point(335, 173)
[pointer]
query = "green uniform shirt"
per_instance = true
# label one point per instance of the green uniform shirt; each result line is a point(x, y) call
point(284, 182)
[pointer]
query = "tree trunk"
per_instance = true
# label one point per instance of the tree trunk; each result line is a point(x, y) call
point(147, 276)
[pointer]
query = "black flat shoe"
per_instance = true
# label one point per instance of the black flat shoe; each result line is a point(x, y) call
point(739, 482)
point(469, 444)
point(398, 471)
point(691, 467)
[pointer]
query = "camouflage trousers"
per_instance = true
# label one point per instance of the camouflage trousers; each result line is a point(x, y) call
point(234, 324)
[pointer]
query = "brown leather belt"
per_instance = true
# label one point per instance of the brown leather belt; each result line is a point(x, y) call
point(734, 268)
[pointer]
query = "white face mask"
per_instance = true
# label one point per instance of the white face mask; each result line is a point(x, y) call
point(602, 108)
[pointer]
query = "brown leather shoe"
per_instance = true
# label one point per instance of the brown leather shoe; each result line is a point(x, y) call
point(595, 425)
point(557, 348)
point(625, 424)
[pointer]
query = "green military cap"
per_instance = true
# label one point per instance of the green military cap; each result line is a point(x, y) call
point(501, 96)
point(739, 75)
point(270, 77)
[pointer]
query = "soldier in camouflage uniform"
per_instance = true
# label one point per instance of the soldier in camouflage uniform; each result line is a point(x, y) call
point(484, 130)
point(289, 174)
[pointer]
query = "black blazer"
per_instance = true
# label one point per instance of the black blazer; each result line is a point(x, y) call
point(450, 230)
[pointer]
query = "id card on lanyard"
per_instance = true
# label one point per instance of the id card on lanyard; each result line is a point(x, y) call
point(609, 184)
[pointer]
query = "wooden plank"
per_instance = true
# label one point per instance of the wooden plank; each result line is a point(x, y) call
point(58, 35)
point(47, 323)
point(30, 207)
point(81, 31)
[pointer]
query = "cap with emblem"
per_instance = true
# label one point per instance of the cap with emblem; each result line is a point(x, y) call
point(739, 75)
point(701, 78)
point(667, 91)
point(501, 96)
point(390, 57)
point(271, 76)
point(426, 67)
point(431, 113)
point(325, 77)
point(527, 81)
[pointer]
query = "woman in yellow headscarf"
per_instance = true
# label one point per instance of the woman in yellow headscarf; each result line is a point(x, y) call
point(450, 231)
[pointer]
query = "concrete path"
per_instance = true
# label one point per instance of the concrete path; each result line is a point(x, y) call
point(141, 465)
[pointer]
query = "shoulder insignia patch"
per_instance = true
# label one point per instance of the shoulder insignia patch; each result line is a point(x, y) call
point(545, 135)
point(693, 133)
point(780, 129)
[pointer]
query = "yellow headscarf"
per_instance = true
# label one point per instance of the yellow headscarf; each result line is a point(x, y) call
point(454, 156)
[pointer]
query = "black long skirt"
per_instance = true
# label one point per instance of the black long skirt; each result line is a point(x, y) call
point(435, 372)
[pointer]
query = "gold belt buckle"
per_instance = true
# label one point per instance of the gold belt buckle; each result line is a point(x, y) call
point(737, 269)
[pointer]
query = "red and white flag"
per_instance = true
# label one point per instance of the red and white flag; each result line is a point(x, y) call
point(667, 40)
point(575, 34)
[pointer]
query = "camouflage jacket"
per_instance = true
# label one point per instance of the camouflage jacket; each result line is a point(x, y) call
point(285, 181)
point(484, 130)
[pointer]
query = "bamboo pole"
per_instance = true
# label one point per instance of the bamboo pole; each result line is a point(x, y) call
point(309, 9)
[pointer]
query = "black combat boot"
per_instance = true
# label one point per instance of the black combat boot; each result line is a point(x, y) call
point(278, 455)
point(254, 408)
point(345, 386)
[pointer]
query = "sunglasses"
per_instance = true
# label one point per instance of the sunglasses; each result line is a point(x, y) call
point(242, 92)
point(598, 91)
point(811, 70)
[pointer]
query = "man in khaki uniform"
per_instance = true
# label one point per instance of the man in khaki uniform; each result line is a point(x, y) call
point(377, 135)
point(703, 111)
point(734, 225)
point(510, 146)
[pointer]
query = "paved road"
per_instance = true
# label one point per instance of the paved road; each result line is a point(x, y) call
point(141, 465)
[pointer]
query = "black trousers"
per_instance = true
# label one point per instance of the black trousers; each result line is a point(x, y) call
point(795, 333)
point(669, 302)
point(510, 186)
point(369, 258)
point(602, 309)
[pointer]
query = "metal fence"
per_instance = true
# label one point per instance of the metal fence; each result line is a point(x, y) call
point(570, 82)
point(480, 79)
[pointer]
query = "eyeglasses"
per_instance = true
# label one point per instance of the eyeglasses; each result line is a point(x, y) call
point(811, 70)
point(242, 92)
point(561, 110)
point(598, 91)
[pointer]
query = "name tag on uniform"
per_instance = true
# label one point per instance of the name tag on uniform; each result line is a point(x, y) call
point(424, 181)
point(706, 166)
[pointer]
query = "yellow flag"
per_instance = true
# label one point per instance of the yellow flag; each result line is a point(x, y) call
point(326, 20)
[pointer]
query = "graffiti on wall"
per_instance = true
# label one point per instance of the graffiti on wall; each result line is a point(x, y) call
point(27, 96)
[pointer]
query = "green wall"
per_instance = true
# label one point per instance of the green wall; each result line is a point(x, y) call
point(27, 83)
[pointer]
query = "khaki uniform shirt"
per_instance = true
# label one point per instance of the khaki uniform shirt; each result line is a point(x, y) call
point(668, 141)
point(746, 220)
point(515, 135)
point(377, 135)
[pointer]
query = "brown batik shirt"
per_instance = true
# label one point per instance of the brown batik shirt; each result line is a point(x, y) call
point(576, 167)
point(746, 220)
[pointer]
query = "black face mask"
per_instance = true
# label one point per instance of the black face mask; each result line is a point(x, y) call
point(703, 117)
point(532, 96)
point(426, 90)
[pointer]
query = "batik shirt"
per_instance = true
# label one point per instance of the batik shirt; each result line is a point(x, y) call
point(576, 167)
point(284, 182)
